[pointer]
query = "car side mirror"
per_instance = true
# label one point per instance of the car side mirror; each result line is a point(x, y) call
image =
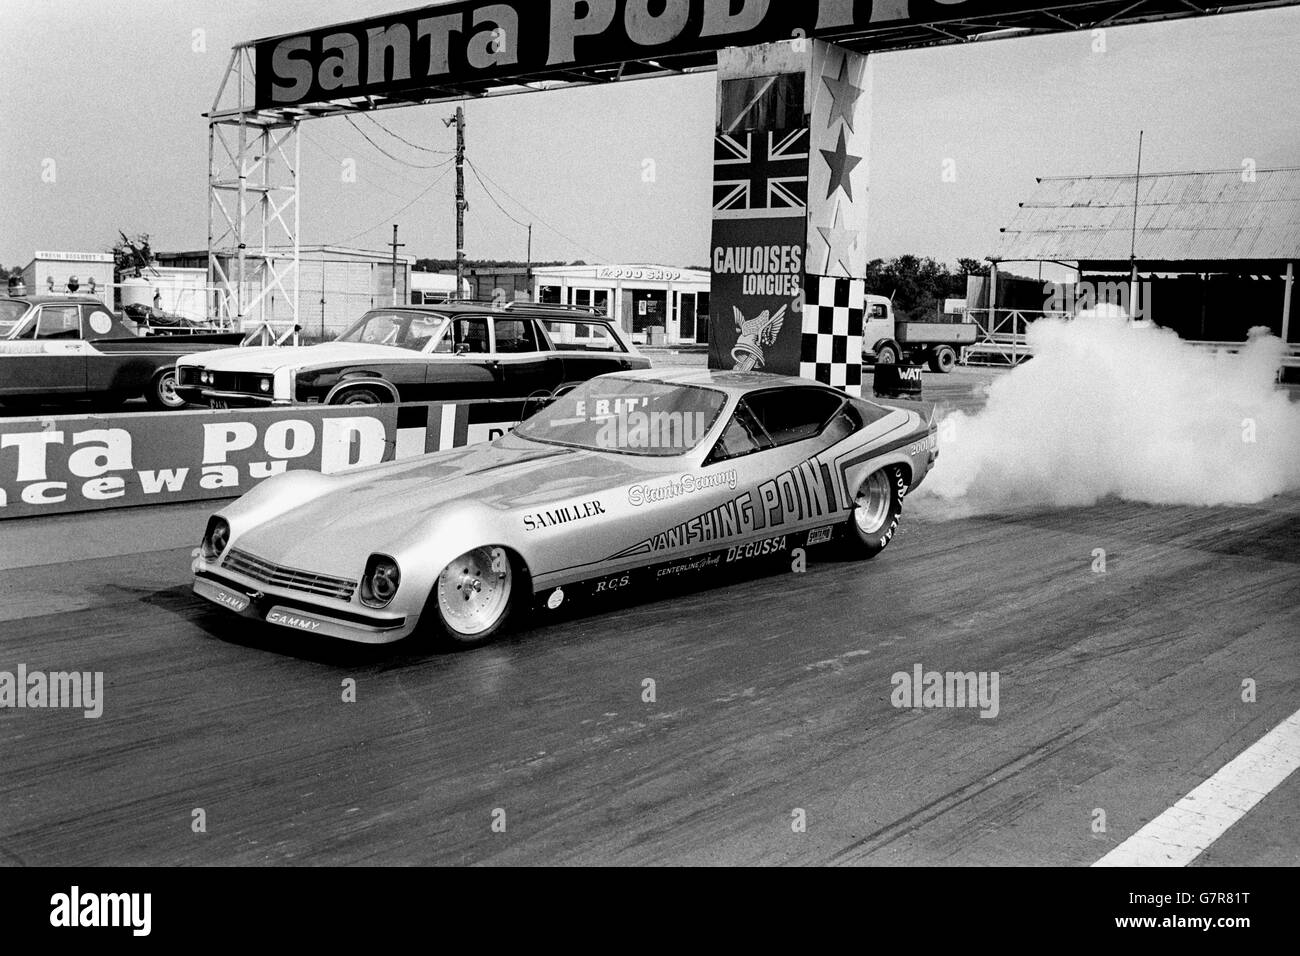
point(462, 349)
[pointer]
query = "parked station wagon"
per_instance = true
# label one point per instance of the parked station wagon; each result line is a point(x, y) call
point(413, 353)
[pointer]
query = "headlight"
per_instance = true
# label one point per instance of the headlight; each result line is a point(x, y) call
point(265, 385)
point(381, 580)
point(216, 538)
point(205, 378)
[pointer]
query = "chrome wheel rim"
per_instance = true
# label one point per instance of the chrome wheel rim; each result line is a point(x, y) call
point(473, 590)
point(871, 506)
point(356, 399)
point(167, 390)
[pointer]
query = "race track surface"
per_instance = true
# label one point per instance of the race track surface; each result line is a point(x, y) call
point(1119, 692)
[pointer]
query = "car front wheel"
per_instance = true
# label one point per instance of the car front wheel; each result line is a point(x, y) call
point(876, 509)
point(162, 392)
point(475, 595)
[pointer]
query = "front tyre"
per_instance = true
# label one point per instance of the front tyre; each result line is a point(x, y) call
point(887, 354)
point(877, 507)
point(162, 393)
point(475, 595)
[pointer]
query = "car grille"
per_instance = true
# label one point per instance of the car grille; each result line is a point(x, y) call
point(187, 375)
point(247, 382)
point(276, 575)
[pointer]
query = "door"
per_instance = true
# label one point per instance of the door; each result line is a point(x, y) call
point(462, 365)
point(686, 318)
point(771, 440)
point(878, 324)
point(528, 368)
point(59, 368)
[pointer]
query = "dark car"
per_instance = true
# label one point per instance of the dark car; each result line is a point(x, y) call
point(59, 348)
point(414, 353)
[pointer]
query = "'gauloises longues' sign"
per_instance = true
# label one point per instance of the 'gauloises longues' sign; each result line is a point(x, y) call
point(441, 45)
point(84, 463)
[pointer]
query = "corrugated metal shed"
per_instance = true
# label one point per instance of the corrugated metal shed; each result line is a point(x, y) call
point(1191, 216)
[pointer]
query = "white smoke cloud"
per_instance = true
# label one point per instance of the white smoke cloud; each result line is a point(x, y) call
point(1109, 408)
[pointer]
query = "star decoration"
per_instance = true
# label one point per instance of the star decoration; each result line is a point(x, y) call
point(842, 164)
point(839, 241)
point(844, 94)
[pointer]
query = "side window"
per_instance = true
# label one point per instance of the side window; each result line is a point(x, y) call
point(742, 436)
point(59, 322)
point(878, 312)
point(575, 336)
point(794, 414)
point(470, 336)
point(515, 335)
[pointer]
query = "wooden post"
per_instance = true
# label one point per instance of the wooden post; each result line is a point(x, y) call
point(1286, 303)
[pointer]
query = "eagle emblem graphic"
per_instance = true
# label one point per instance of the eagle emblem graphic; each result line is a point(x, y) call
point(753, 335)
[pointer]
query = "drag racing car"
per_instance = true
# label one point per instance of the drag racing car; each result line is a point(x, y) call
point(631, 478)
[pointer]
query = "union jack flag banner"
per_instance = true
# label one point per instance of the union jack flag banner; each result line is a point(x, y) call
point(760, 175)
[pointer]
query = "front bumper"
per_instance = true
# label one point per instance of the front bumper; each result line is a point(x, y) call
point(215, 398)
point(284, 609)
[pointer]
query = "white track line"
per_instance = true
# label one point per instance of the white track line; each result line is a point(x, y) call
point(1185, 830)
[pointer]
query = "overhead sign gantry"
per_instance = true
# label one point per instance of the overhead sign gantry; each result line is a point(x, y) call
point(482, 48)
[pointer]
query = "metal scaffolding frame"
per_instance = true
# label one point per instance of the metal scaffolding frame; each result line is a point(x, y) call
point(254, 202)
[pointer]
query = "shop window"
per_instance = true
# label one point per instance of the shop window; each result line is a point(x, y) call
point(551, 294)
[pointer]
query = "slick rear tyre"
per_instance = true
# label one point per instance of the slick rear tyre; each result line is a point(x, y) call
point(877, 506)
point(162, 394)
point(475, 596)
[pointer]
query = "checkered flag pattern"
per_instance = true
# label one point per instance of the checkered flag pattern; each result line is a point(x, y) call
point(832, 332)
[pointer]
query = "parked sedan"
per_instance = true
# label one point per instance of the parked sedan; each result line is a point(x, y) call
point(629, 479)
point(63, 348)
point(454, 351)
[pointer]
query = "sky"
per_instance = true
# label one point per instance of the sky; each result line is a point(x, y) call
point(109, 97)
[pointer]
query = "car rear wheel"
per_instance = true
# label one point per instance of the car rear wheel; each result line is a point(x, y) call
point(474, 596)
point(877, 507)
point(943, 359)
point(162, 392)
point(358, 396)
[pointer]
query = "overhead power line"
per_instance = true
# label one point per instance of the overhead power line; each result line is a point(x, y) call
point(536, 218)
point(396, 159)
point(426, 149)
point(393, 215)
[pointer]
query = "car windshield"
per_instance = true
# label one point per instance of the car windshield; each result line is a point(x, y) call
point(628, 416)
point(403, 330)
point(11, 310)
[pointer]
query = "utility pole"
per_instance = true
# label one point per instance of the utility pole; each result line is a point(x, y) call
point(396, 245)
point(1132, 248)
point(528, 272)
point(459, 121)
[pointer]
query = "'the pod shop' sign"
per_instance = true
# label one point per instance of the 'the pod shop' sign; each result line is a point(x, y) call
point(82, 463)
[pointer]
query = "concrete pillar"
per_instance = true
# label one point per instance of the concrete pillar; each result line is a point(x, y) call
point(790, 212)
